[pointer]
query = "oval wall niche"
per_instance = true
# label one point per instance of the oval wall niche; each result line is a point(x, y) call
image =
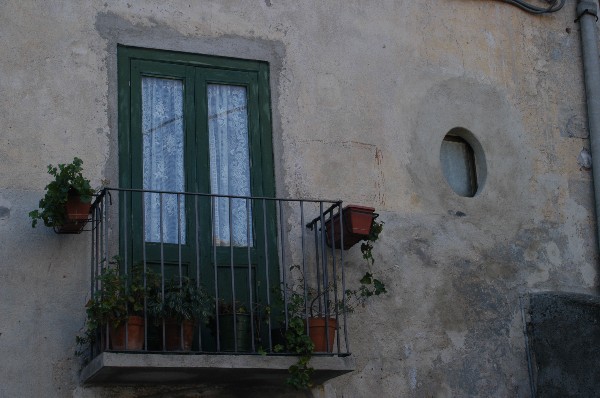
point(463, 162)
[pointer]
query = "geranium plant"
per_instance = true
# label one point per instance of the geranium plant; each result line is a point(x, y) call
point(68, 181)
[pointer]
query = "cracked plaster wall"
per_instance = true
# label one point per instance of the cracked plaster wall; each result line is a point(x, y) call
point(362, 94)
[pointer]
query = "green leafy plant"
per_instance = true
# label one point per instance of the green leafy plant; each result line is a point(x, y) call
point(299, 343)
point(326, 300)
point(369, 285)
point(296, 341)
point(141, 288)
point(119, 296)
point(367, 246)
point(181, 301)
point(68, 181)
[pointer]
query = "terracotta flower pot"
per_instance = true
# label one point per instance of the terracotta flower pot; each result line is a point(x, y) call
point(317, 328)
point(358, 221)
point(173, 334)
point(76, 209)
point(78, 214)
point(134, 331)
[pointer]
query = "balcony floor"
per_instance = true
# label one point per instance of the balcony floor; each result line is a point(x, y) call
point(113, 368)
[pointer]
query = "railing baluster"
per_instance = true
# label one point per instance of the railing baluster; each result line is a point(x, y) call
point(213, 204)
point(145, 265)
point(99, 269)
point(266, 240)
point(179, 262)
point(197, 237)
point(92, 266)
point(326, 308)
point(248, 243)
point(304, 264)
point(335, 291)
point(323, 254)
point(280, 240)
point(317, 275)
point(162, 264)
point(345, 314)
point(234, 304)
point(126, 288)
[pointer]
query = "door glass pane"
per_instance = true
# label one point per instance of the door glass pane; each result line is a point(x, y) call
point(162, 131)
point(229, 163)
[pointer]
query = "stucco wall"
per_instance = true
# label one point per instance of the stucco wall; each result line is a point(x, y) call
point(362, 94)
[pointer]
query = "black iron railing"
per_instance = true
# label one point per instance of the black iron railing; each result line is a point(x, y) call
point(252, 264)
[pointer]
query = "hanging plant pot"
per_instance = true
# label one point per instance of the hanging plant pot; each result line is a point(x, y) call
point(318, 330)
point(66, 205)
point(77, 216)
point(173, 331)
point(357, 221)
point(134, 332)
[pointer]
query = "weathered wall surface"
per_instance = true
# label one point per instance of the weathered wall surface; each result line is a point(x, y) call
point(362, 94)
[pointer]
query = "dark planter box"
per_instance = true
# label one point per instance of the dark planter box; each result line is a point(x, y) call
point(242, 332)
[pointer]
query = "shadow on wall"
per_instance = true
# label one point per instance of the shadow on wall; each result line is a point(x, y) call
point(564, 342)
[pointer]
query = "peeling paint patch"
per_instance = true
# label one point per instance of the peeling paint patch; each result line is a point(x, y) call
point(581, 192)
point(489, 37)
point(542, 275)
point(412, 378)
point(457, 213)
point(407, 350)
point(457, 338)
point(575, 127)
point(553, 254)
point(589, 274)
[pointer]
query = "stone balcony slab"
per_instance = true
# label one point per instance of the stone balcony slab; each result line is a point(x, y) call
point(114, 368)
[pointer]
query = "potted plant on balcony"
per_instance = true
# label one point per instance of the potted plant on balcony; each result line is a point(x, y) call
point(320, 311)
point(118, 306)
point(322, 322)
point(66, 204)
point(183, 305)
point(324, 310)
point(234, 326)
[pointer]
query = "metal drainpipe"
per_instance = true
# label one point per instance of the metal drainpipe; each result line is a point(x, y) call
point(587, 11)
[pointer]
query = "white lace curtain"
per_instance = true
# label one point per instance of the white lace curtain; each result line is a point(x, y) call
point(163, 137)
point(229, 161)
point(163, 147)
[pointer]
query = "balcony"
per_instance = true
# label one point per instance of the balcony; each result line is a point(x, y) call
point(255, 265)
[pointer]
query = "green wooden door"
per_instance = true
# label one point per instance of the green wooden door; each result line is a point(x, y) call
point(198, 124)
